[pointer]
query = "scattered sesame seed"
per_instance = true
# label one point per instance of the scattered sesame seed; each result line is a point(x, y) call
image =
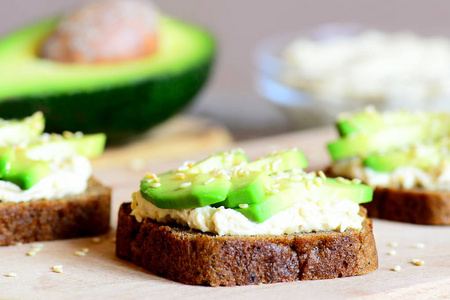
point(185, 184)
point(397, 268)
point(96, 240)
point(243, 172)
point(209, 180)
point(244, 205)
point(318, 181)
point(57, 269)
point(79, 253)
point(343, 180)
point(180, 176)
point(356, 181)
point(392, 244)
point(11, 275)
point(322, 175)
point(419, 246)
point(308, 184)
point(417, 262)
point(155, 185)
point(85, 250)
point(183, 168)
point(392, 252)
point(32, 253)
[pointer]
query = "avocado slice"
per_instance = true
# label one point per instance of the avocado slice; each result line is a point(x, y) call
point(194, 190)
point(18, 168)
point(422, 156)
point(13, 132)
point(370, 121)
point(291, 191)
point(281, 161)
point(119, 99)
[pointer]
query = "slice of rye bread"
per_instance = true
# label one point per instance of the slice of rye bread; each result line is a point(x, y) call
point(86, 214)
point(193, 257)
point(418, 206)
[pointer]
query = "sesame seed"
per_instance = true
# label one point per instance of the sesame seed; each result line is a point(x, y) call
point(180, 176)
point(183, 168)
point(392, 252)
point(151, 176)
point(155, 185)
point(419, 246)
point(57, 269)
point(85, 250)
point(343, 180)
point(397, 268)
point(322, 175)
point(244, 205)
point(318, 181)
point(96, 240)
point(79, 253)
point(11, 275)
point(356, 181)
point(32, 253)
point(308, 184)
point(392, 244)
point(243, 172)
point(185, 184)
point(209, 180)
point(417, 262)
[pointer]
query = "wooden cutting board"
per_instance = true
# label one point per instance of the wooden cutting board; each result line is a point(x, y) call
point(100, 275)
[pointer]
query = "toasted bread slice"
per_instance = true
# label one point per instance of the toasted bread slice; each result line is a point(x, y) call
point(417, 206)
point(81, 215)
point(193, 257)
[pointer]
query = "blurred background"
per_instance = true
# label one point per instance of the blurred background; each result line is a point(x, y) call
point(230, 98)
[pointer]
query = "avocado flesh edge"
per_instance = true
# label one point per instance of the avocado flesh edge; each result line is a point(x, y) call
point(330, 189)
point(367, 122)
point(23, 73)
point(388, 139)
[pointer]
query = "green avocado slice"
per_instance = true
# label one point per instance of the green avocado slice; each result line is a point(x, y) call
point(195, 190)
point(423, 156)
point(291, 191)
point(119, 99)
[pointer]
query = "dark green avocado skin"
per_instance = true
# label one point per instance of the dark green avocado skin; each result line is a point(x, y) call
point(119, 111)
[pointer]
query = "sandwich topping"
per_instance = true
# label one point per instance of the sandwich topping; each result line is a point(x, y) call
point(394, 149)
point(44, 166)
point(227, 195)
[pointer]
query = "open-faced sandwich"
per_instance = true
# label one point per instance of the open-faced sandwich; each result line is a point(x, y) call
point(405, 156)
point(47, 191)
point(225, 221)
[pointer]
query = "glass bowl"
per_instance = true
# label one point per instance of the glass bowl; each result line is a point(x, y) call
point(275, 80)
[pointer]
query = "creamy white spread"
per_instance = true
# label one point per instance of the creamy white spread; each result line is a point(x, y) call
point(306, 215)
point(372, 66)
point(69, 176)
point(434, 179)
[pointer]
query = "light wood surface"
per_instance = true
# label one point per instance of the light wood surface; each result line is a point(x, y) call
point(100, 275)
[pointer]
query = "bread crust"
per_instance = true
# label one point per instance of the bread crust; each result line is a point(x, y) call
point(80, 215)
point(193, 257)
point(417, 206)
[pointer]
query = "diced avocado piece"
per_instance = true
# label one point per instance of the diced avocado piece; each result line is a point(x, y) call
point(281, 161)
point(291, 191)
point(370, 121)
point(218, 161)
point(271, 205)
point(384, 140)
point(13, 132)
point(247, 189)
point(420, 156)
point(19, 169)
point(89, 145)
point(194, 190)
point(119, 99)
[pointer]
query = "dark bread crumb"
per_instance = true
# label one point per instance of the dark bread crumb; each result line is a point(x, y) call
point(193, 257)
point(81, 215)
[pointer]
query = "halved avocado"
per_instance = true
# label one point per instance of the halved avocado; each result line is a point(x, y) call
point(119, 99)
